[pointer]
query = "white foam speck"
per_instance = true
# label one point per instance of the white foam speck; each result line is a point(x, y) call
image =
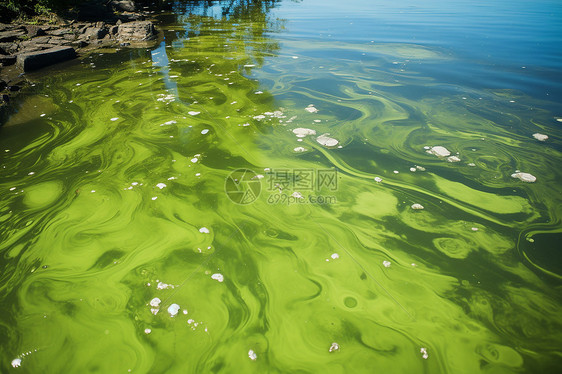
point(147, 331)
point(258, 92)
point(297, 195)
point(474, 229)
point(386, 264)
point(115, 118)
point(16, 362)
point(42, 115)
point(154, 197)
point(396, 172)
point(163, 286)
point(194, 159)
point(161, 185)
point(525, 177)
point(327, 141)
point(335, 256)
point(423, 351)
point(540, 137)
point(378, 179)
point(417, 206)
point(299, 149)
point(217, 276)
point(413, 169)
point(31, 173)
point(204, 131)
point(173, 310)
point(334, 347)
point(311, 109)
point(253, 356)
point(193, 113)
point(439, 151)
point(204, 230)
point(155, 302)
point(301, 132)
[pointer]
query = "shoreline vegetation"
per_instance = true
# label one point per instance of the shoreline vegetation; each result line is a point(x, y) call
point(39, 33)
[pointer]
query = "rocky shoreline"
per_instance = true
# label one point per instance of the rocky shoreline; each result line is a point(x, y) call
point(26, 47)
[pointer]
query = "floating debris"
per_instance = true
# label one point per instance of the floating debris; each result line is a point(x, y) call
point(525, 177)
point(540, 137)
point(378, 179)
point(299, 149)
point(439, 151)
point(168, 123)
point(453, 159)
point(325, 140)
point(297, 195)
point(423, 351)
point(161, 185)
point(173, 310)
point(301, 132)
point(417, 206)
point(204, 230)
point(311, 109)
point(334, 347)
point(218, 277)
point(386, 264)
point(253, 356)
point(164, 286)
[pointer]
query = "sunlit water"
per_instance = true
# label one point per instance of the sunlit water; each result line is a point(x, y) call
point(123, 250)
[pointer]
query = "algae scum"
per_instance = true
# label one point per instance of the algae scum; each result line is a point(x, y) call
point(290, 187)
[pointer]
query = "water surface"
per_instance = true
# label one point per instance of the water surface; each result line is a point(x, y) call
point(123, 250)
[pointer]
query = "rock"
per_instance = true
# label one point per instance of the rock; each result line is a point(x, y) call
point(60, 32)
point(37, 60)
point(7, 60)
point(2, 85)
point(14, 88)
point(136, 31)
point(10, 36)
point(123, 5)
point(8, 48)
point(113, 30)
point(94, 33)
point(5, 98)
point(34, 31)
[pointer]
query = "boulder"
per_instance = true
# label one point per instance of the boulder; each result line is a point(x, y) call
point(33, 31)
point(94, 33)
point(123, 5)
point(10, 36)
point(39, 59)
point(136, 31)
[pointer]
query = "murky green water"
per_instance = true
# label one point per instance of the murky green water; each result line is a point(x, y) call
point(128, 246)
